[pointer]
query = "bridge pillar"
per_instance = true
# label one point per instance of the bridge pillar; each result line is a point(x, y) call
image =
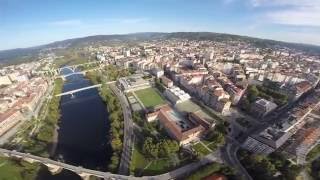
point(29, 160)
point(72, 96)
point(54, 169)
point(17, 156)
point(73, 68)
point(6, 155)
point(84, 176)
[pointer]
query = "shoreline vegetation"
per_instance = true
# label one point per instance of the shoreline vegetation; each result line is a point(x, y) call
point(17, 169)
point(115, 117)
point(40, 140)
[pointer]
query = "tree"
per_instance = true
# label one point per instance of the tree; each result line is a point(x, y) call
point(253, 93)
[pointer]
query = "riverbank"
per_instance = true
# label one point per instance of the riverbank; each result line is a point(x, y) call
point(37, 135)
point(115, 117)
point(17, 169)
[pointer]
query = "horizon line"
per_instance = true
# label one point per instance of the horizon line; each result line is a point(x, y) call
point(112, 34)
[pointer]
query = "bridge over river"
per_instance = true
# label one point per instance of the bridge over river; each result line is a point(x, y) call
point(56, 166)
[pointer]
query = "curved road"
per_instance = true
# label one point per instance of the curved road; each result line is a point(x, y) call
point(128, 137)
point(229, 154)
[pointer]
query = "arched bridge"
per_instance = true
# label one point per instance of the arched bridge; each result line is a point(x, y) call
point(56, 166)
point(73, 67)
point(78, 72)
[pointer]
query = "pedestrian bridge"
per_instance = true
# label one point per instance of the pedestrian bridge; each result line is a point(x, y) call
point(78, 90)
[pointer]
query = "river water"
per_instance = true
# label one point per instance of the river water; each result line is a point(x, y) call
point(83, 130)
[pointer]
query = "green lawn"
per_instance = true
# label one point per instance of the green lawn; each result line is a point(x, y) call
point(141, 166)
point(138, 162)
point(149, 97)
point(16, 169)
point(314, 153)
point(201, 149)
point(157, 167)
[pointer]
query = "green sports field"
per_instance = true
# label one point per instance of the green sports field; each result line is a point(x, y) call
point(149, 97)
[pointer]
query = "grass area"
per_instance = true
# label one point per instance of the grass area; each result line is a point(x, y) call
point(149, 97)
point(158, 167)
point(206, 142)
point(314, 153)
point(142, 166)
point(203, 151)
point(138, 162)
point(213, 146)
point(208, 170)
point(11, 169)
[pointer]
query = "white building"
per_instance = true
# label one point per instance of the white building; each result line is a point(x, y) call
point(157, 72)
point(4, 80)
point(176, 95)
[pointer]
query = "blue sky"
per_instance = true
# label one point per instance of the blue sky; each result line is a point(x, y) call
point(25, 23)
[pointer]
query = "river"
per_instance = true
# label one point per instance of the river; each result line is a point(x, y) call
point(83, 130)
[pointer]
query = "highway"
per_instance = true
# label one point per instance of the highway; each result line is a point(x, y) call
point(128, 138)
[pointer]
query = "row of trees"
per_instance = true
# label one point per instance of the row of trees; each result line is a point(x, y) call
point(161, 149)
point(47, 130)
point(159, 85)
point(259, 91)
point(266, 167)
point(115, 118)
point(215, 137)
point(268, 93)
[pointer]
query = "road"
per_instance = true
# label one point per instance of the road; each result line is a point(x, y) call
point(229, 154)
point(273, 117)
point(232, 146)
point(124, 167)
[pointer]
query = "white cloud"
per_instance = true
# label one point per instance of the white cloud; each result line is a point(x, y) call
point(290, 12)
point(295, 17)
point(299, 3)
point(69, 22)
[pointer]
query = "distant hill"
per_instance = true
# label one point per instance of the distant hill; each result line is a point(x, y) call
point(17, 55)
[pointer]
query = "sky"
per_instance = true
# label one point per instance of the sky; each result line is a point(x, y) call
point(26, 23)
